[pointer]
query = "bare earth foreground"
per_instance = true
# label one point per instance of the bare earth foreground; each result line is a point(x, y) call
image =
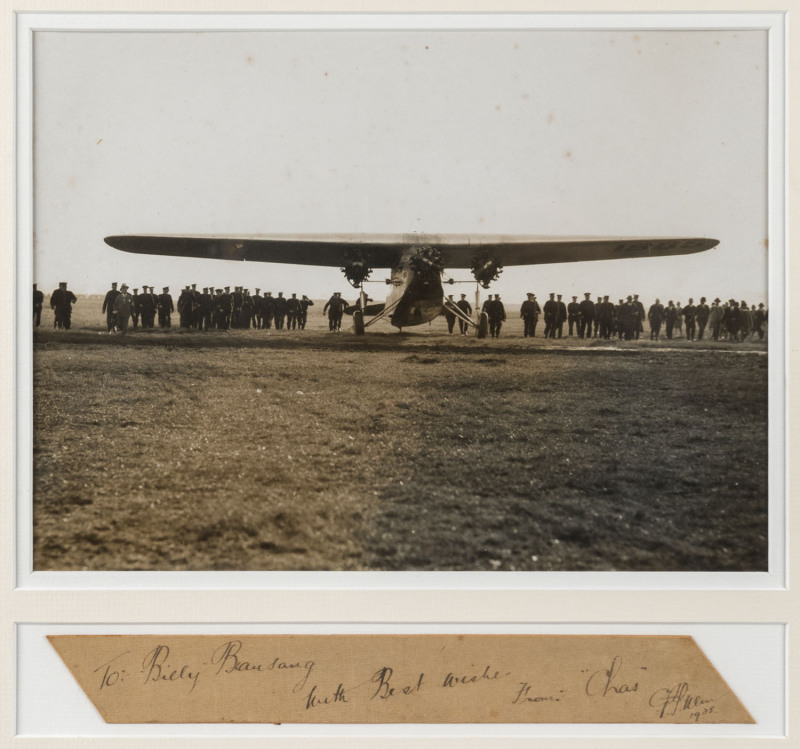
point(306, 450)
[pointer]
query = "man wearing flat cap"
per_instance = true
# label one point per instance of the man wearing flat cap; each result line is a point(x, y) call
point(123, 307)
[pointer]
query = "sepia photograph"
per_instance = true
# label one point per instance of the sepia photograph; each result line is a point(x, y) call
point(402, 299)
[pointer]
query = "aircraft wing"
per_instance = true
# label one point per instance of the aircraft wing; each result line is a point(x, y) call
point(384, 250)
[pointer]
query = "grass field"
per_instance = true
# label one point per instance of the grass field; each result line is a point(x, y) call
point(306, 450)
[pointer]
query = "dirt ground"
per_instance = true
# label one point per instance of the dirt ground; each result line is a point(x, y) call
point(306, 450)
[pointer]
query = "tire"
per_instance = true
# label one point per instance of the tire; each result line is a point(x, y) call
point(483, 326)
point(358, 322)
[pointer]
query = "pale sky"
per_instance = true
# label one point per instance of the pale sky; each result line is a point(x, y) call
point(594, 133)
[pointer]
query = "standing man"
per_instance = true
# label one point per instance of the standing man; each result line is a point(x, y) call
point(61, 301)
point(466, 308)
point(561, 316)
point(247, 309)
point(220, 311)
point(281, 308)
point(123, 306)
point(640, 316)
point(497, 316)
point(588, 312)
point(302, 318)
point(573, 315)
point(268, 309)
point(759, 318)
point(292, 312)
point(715, 318)
point(529, 312)
point(604, 312)
point(449, 315)
point(701, 315)
point(672, 317)
point(185, 301)
point(135, 309)
point(597, 307)
point(108, 306)
point(147, 307)
point(655, 317)
point(258, 309)
point(165, 308)
point(550, 315)
point(38, 303)
point(689, 312)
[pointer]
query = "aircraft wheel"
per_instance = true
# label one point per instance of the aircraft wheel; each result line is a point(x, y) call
point(483, 326)
point(358, 322)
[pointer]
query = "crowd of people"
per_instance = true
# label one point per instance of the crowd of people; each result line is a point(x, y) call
point(209, 309)
point(731, 320)
point(222, 309)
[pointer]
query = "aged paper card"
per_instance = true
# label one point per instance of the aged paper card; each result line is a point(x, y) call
point(399, 679)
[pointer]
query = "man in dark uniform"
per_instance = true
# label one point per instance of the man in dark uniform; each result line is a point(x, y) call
point(258, 309)
point(236, 307)
point(302, 317)
point(147, 307)
point(671, 317)
point(587, 316)
point(335, 307)
point(597, 315)
point(227, 296)
point(165, 308)
point(449, 315)
point(639, 316)
point(185, 302)
point(108, 306)
point(497, 316)
point(466, 308)
point(573, 315)
point(38, 303)
point(604, 314)
point(219, 312)
point(529, 312)
point(292, 312)
point(701, 315)
point(61, 301)
point(197, 308)
point(689, 312)
point(655, 317)
point(630, 319)
point(268, 309)
point(733, 319)
point(246, 316)
point(281, 307)
point(550, 315)
point(759, 318)
point(561, 317)
point(135, 309)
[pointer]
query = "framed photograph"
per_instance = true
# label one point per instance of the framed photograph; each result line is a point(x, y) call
point(403, 323)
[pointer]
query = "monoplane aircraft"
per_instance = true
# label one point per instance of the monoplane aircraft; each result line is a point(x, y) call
point(417, 261)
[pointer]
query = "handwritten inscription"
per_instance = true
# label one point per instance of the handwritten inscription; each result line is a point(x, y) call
point(340, 685)
point(228, 660)
point(608, 681)
point(669, 701)
point(157, 668)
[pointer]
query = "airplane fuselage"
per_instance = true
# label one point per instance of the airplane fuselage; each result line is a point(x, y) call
point(418, 298)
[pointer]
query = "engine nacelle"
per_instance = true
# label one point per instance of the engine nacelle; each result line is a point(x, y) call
point(485, 269)
point(356, 267)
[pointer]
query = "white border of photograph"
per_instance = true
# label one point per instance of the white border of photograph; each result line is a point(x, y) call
point(27, 24)
point(749, 657)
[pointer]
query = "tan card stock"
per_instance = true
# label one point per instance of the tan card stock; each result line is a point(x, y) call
point(399, 679)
